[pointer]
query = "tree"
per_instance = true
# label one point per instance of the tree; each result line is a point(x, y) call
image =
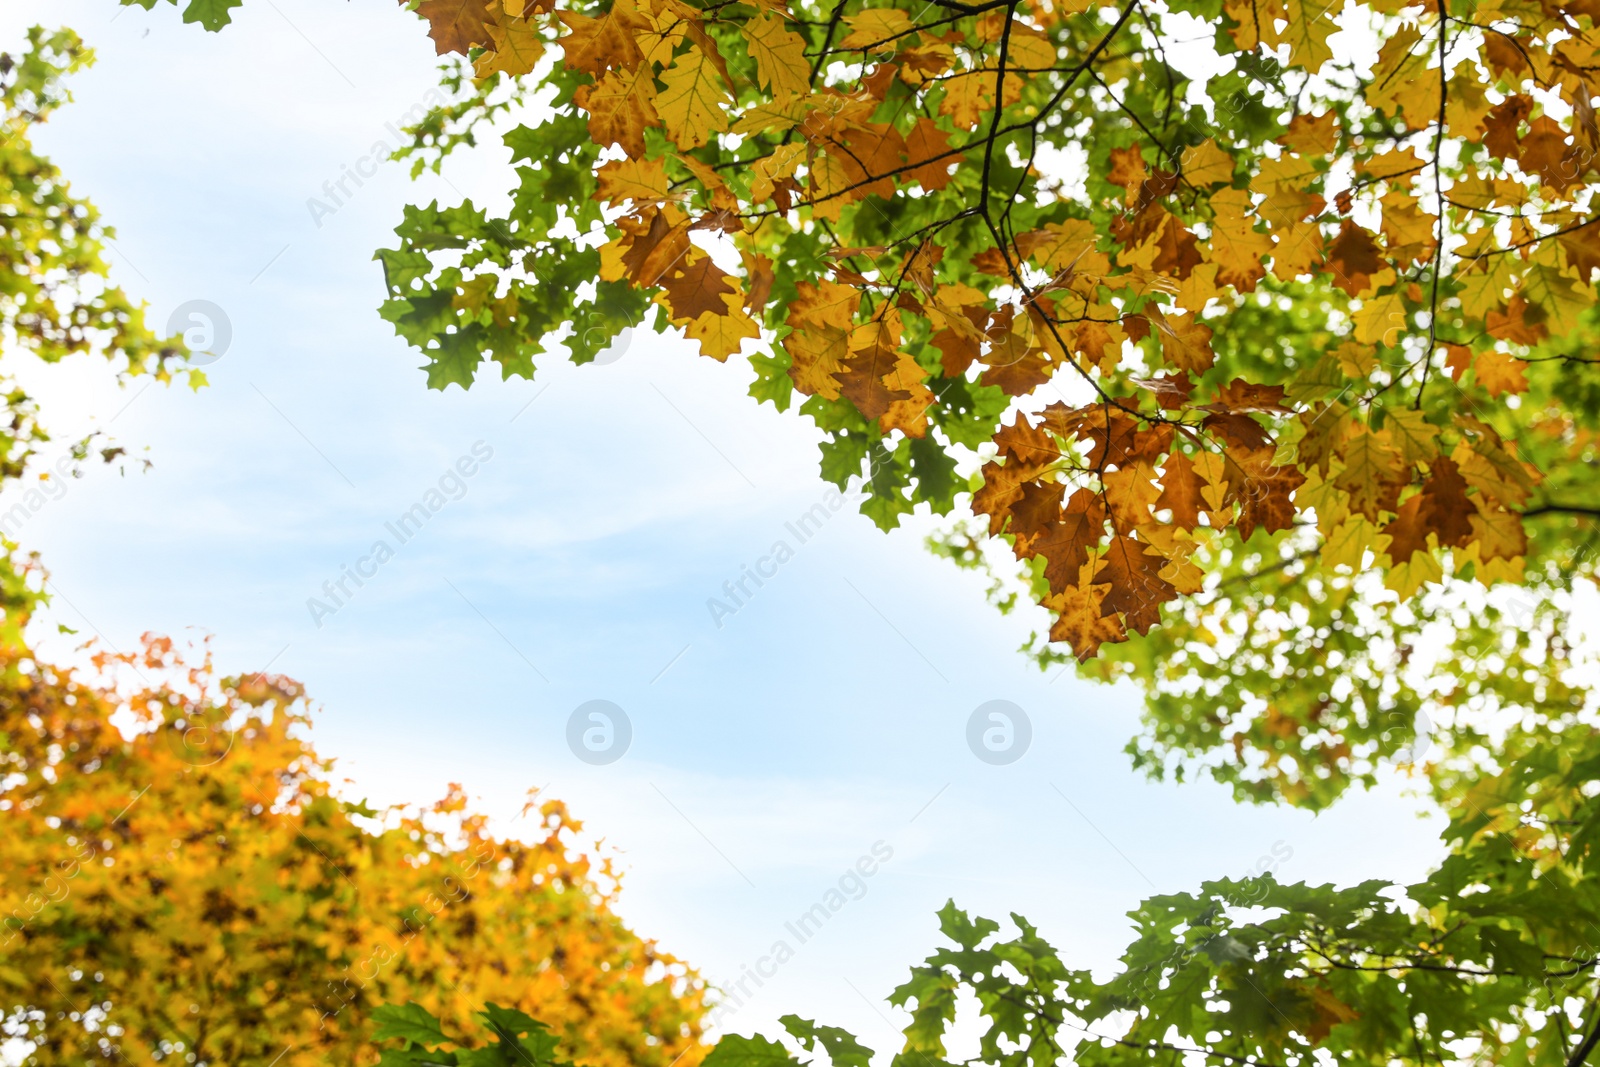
point(1290, 361)
point(56, 297)
point(181, 880)
point(1491, 960)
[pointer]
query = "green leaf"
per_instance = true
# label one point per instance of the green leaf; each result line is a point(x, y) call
point(842, 1047)
point(735, 1050)
point(408, 1022)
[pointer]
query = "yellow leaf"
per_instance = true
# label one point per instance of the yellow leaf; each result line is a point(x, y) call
point(692, 100)
point(1408, 577)
point(517, 47)
point(780, 56)
point(1236, 247)
point(628, 179)
point(1410, 432)
point(966, 98)
point(1499, 373)
point(1382, 320)
point(874, 25)
point(721, 336)
point(1350, 541)
point(1308, 26)
point(765, 173)
point(773, 117)
point(620, 106)
point(1206, 164)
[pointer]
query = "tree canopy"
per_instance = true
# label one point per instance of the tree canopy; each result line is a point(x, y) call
point(1244, 379)
point(181, 880)
point(1253, 336)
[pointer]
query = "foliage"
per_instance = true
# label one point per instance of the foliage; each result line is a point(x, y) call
point(179, 879)
point(1491, 960)
point(1313, 291)
point(1244, 372)
point(56, 299)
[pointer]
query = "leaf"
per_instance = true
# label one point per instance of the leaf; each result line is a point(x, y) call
point(408, 1022)
point(597, 45)
point(455, 25)
point(692, 99)
point(736, 1050)
point(621, 107)
point(1206, 164)
point(698, 287)
point(624, 180)
point(1499, 373)
point(1372, 473)
point(924, 144)
point(873, 25)
point(780, 56)
point(1081, 621)
point(967, 99)
point(842, 1047)
point(1382, 320)
point(212, 14)
point(517, 46)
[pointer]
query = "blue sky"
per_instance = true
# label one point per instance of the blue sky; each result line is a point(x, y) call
point(827, 715)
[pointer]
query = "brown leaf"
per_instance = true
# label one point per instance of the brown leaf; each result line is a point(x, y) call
point(1081, 620)
point(697, 288)
point(1137, 588)
point(1171, 390)
point(1180, 491)
point(1263, 491)
point(1355, 257)
point(456, 25)
point(926, 141)
point(1066, 544)
point(1240, 395)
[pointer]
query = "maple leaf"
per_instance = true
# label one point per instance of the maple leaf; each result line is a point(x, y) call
point(1182, 489)
point(517, 45)
point(1206, 164)
point(1372, 474)
point(1136, 589)
point(1498, 372)
point(1185, 342)
point(721, 332)
point(967, 98)
point(1236, 246)
point(1171, 390)
point(821, 321)
point(623, 180)
point(924, 144)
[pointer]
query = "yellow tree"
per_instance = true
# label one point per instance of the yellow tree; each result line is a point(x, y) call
point(181, 884)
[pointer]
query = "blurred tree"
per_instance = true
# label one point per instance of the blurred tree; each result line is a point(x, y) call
point(180, 881)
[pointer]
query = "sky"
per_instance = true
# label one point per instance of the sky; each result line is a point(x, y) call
point(823, 721)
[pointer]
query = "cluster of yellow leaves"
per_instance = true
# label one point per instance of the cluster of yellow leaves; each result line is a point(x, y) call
point(200, 880)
